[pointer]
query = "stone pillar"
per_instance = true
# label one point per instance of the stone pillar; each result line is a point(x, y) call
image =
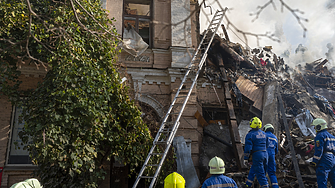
point(270, 106)
point(181, 33)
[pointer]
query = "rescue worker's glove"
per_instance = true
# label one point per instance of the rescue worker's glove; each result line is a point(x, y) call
point(313, 164)
point(245, 185)
point(246, 163)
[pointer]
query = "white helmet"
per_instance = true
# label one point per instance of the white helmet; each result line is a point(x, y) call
point(269, 127)
point(320, 124)
point(216, 166)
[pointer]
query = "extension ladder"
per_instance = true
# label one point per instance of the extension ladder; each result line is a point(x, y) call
point(169, 128)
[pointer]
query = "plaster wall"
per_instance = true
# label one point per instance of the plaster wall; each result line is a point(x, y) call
point(115, 10)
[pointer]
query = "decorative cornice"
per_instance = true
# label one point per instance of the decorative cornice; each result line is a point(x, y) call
point(149, 75)
point(161, 51)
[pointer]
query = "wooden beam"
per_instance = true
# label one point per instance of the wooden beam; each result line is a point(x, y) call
point(233, 127)
point(225, 32)
point(200, 119)
point(227, 90)
point(290, 143)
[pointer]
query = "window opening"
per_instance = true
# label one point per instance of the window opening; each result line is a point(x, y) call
point(17, 155)
point(138, 14)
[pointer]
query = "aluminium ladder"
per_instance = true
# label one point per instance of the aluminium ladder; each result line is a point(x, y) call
point(169, 127)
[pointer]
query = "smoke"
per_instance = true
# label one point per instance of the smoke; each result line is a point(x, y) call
point(320, 27)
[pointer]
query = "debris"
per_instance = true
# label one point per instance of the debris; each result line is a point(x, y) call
point(304, 91)
point(133, 42)
point(185, 166)
point(304, 120)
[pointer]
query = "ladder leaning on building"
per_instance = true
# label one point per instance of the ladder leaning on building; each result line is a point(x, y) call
point(169, 128)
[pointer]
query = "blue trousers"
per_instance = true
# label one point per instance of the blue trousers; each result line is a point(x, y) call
point(326, 170)
point(272, 171)
point(258, 169)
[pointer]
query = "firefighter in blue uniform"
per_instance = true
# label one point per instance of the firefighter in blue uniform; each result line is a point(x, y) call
point(272, 152)
point(217, 180)
point(324, 158)
point(256, 144)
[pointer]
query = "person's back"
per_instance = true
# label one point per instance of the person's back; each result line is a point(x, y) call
point(256, 143)
point(255, 140)
point(219, 180)
point(324, 159)
point(272, 150)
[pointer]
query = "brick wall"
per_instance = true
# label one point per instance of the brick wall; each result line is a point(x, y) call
point(14, 176)
point(9, 177)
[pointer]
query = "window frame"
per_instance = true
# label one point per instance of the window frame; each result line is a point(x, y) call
point(9, 145)
point(137, 19)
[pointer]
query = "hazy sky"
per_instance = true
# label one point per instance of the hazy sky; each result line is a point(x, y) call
point(320, 25)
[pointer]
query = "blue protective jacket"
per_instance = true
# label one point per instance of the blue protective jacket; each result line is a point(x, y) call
point(218, 181)
point(324, 146)
point(273, 144)
point(272, 150)
point(324, 158)
point(255, 140)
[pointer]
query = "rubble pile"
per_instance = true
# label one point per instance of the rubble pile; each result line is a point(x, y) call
point(307, 93)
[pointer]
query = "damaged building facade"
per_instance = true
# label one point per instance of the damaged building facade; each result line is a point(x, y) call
point(154, 75)
point(234, 85)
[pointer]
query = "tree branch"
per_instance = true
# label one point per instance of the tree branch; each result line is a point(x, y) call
point(283, 5)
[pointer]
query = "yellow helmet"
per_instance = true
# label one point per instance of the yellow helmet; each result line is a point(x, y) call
point(320, 124)
point(216, 166)
point(174, 180)
point(255, 122)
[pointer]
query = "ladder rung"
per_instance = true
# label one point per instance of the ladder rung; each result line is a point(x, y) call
point(160, 142)
point(157, 153)
point(152, 165)
point(177, 104)
point(147, 177)
point(165, 131)
point(181, 96)
point(169, 122)
point(213, 27)
point(172, 113)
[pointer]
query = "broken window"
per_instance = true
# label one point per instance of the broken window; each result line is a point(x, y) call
point(137, 13)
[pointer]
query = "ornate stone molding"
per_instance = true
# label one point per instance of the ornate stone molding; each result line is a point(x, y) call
point(149, 75)
point(147, 99)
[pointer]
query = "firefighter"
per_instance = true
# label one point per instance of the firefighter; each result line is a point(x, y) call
point(272, 151)
point(256, 144)
point(324, 159)
point(217, 169)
